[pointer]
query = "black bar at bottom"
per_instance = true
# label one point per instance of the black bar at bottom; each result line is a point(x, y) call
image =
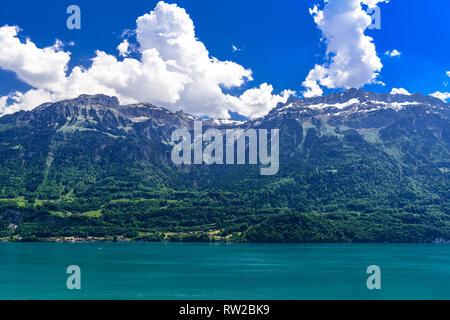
point(225, 309)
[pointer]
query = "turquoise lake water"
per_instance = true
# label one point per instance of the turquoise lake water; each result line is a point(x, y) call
point(223, 271)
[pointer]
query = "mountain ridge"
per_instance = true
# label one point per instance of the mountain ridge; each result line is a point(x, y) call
point(362, 96)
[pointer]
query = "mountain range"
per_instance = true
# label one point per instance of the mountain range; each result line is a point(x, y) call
point(355, 166)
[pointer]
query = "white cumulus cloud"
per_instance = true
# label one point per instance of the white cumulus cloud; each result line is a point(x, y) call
point(124, 48)
point(41, 68)
point(393, 53)
point(175, 70)
point(352, 60)
point(253, 100)
point(441, 95)
point(400, 91)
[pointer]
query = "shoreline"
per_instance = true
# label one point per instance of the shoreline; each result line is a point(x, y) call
point(124, 240)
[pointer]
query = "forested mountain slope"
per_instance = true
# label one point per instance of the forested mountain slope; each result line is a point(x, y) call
point(354, 166)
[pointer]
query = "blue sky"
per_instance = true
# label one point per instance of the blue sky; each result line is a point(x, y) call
point(278, 40)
